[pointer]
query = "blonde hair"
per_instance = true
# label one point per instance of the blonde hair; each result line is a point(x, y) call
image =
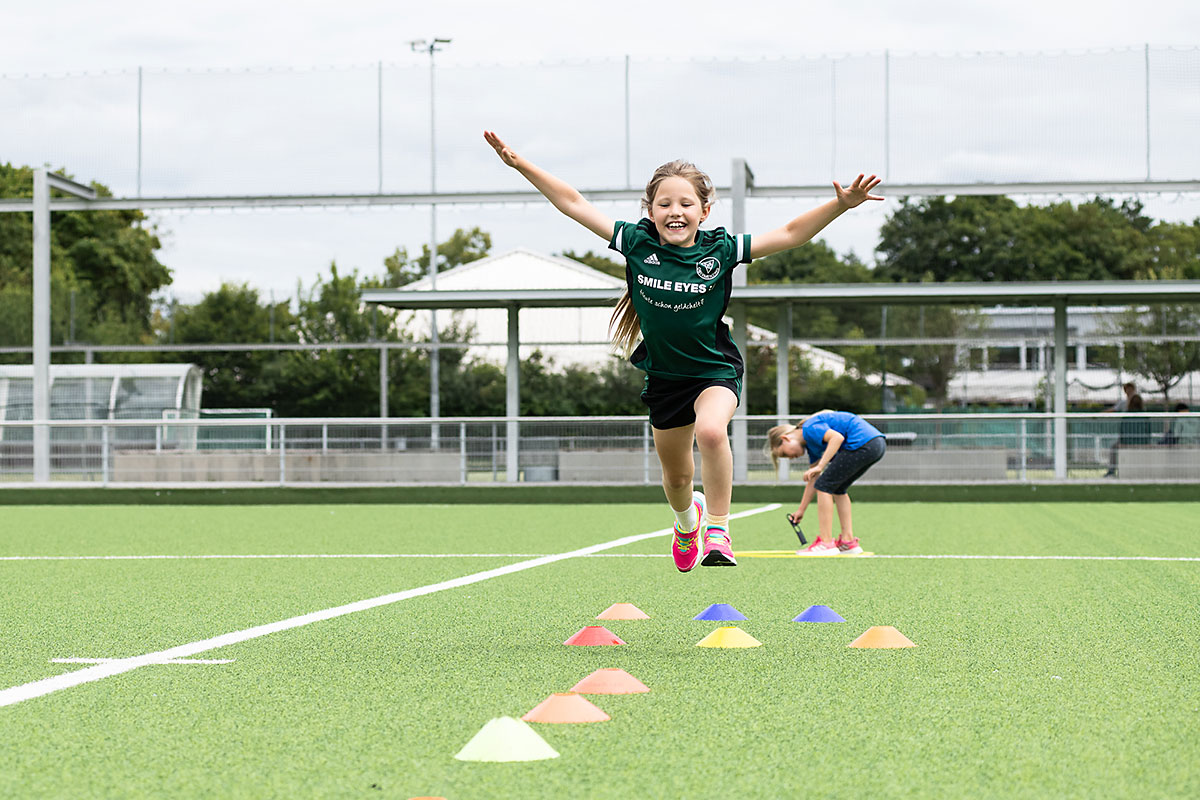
point(775, 441)
point(624, 328)
point(776, 434)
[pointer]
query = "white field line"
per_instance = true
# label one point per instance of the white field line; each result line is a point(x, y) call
point(320, 555)
point(168, 661)
point(45, 686)
point(586, 555)
point(1050, 558)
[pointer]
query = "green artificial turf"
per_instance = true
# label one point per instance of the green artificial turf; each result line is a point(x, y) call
point(1032, 678)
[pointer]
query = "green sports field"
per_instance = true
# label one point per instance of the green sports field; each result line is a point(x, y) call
point(1072, 671)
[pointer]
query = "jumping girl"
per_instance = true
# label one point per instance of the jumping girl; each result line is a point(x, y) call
point(678, 281)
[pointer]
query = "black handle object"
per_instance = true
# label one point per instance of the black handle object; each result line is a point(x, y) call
point(796, 528)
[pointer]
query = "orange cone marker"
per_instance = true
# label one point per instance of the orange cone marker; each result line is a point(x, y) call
point(592, 635)
point(882, 636)
point(566, 707)
point(622, 611)
point(610, 681)
point(729, 636)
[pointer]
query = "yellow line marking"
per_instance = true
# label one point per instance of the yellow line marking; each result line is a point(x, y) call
point(789, 554)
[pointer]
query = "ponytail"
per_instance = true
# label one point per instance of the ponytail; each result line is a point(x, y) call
point(624, 327)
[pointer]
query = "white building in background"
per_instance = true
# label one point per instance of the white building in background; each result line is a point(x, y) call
point(564, 335)
point(567, 336)
point(1026, 337)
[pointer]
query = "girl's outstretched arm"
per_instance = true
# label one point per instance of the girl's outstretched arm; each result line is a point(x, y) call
point(809, 224)
point(564, 196)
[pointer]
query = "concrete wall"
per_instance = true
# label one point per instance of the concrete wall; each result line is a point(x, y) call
point(613, 466)
point(299, 466)
point(952, 466)
point(1158, 463)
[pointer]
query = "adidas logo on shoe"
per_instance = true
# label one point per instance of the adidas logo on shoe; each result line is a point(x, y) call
point(653, 259)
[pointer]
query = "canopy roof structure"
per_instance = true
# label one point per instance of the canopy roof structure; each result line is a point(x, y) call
point(1057, 294)
point(1030, 293)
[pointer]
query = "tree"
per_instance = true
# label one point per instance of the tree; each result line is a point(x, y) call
point(341, 382)
point(105, 258)
point(234, 314)
point(1163, 361)
point(461, 248)
point(815, 262)
point(931, 366)
point(345, 382)
point(1175, 249)
point(991, 238)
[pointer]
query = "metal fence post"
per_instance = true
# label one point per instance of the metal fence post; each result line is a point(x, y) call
point(282, 454)
point(646, 453)
point(462, 452)
point(1024, 449)
point(104, 455)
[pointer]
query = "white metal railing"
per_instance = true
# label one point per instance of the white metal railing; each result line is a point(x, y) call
point(922, 448)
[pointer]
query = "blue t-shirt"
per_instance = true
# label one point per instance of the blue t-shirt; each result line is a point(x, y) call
point(856, 430)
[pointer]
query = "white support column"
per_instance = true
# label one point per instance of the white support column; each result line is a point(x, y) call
point(43, 182)
point(41, 325)
point(512, 402)
point(383, 381)
point(741, 182)
point(783, 346)
point(1060, 389)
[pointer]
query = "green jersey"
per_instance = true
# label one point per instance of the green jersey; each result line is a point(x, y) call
point(680, 295)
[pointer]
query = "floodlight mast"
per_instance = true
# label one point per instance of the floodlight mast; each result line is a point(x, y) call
point(432, 46)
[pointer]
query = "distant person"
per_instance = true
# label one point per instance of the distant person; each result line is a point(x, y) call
point(678, 279)
point(841, 447)
point(1183, 430)
point(1122, 404)
point(1132, 432)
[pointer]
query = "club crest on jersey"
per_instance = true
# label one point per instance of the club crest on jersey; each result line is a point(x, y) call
point(708, 268)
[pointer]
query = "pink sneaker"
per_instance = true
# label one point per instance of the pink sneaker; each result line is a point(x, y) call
point(718, 550)
point(849, 547)
point(819, 548)
point(685, 547)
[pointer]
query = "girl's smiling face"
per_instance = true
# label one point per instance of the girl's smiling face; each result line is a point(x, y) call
point(677, 212)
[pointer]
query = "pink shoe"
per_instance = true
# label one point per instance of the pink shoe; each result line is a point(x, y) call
point(849, 547)
point(718, 551)
point(819, 548)
point(685, 547)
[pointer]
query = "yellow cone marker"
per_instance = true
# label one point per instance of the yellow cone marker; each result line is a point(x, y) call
point(882, 636)
point(729, 636)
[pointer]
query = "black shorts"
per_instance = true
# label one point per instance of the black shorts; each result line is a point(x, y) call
point(848, 466)
point(672, 403)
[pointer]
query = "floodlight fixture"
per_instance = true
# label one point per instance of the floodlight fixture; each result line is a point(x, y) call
point(430, 46)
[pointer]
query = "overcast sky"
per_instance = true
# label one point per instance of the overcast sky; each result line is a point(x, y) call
point(80, 36)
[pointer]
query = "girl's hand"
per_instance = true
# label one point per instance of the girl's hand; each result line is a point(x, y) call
point(857, 192)
point(505, 152)
point(796, 515)
point(812, 473)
